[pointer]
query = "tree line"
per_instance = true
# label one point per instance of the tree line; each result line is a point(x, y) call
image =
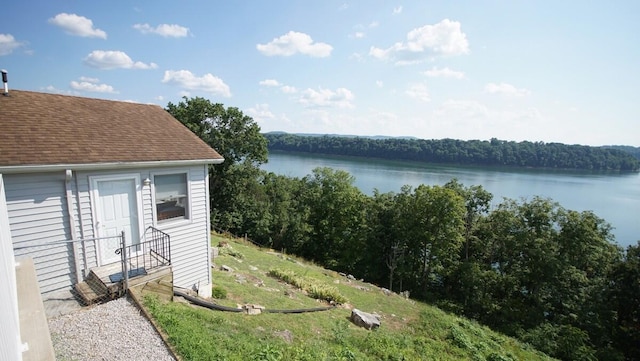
point(552, 277)
point(473, 152)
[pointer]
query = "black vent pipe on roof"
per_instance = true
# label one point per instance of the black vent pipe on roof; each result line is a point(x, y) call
point(5, 82)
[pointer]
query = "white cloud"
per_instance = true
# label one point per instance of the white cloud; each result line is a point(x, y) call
point(89, 79)
point(8, 44)
point(436, 72)
point(260, 112)
point(341, 98)
point(379, 84)
point(295, 42)
point(206, 83)
point(444, 38)
point(52, 89)
point(91, 85)
point(419, 92)
point(287, 89)
point(108, 59)
point(397, 10)
point(269, 82)
point(505, 89)
point(358, 35)
point(166, 30)
point(77, 25)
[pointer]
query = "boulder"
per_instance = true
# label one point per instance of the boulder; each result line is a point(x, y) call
point(364, 319)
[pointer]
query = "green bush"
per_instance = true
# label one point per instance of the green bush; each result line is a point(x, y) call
point(218, 292)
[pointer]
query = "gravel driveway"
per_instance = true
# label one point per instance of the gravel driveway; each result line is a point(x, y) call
point(115, 330)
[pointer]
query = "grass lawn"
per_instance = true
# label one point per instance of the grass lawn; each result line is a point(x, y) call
point(409, 330)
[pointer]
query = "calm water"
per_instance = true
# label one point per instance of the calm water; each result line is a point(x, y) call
point(614, 197)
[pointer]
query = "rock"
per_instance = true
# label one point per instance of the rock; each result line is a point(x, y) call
point(286, 335)
point(253, 268)
point(226, 268)
point(351, 277)
point(250, 309)
point(362, 288)
point(364, 319)
point(386, 292)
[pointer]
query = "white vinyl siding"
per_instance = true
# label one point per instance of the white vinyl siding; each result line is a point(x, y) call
point(38, 215)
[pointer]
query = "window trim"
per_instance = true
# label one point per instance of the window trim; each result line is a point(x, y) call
point(171, 222)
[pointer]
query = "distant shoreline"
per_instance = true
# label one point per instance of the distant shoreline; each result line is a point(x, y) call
point(494, 153)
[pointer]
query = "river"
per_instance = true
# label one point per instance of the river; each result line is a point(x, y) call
point(613, 197)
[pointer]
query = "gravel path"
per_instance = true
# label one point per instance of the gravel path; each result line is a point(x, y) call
point(115, 330)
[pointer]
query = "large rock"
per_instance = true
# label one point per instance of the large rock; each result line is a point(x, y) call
point(364, 319)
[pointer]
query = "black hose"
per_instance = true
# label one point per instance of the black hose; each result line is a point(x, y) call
point(214, 306)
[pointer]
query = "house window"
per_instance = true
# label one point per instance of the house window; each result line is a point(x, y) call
point(172, 198)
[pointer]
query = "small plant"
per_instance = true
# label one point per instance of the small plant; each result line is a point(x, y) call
point(227, 250)
point(218, 292)
point(314, 288)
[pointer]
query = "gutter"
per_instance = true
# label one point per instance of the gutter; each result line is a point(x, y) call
point(34, 168)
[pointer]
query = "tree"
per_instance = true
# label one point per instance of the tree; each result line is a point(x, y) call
point(337, 214)
point(237, 138)
point(431, 220)
point(625, 301)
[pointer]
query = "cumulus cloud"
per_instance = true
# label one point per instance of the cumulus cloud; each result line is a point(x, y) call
point(260, 112)
point(166, 30)
point(294, 42)
point(435, 72)
point(91, 85)
point(444, 38)
point(505, 89)
point(8, 44)
point(287, 89)
point(340, 98)
point(269, 82)
point(419, 92)
point(188, 81)
point(77, 25)
point(108, 59)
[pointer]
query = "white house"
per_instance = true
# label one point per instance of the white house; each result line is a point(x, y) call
point(77, 168)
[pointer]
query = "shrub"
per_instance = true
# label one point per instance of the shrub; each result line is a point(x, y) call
point(218, 292)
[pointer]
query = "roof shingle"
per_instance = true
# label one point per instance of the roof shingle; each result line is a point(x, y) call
point(48, 129)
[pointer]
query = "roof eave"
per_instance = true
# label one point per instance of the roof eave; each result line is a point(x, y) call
point(37, 168)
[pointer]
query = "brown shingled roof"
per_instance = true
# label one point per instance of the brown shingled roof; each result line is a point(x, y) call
point(49, 129)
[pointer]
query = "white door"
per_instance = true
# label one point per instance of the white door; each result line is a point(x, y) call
point(116, 211)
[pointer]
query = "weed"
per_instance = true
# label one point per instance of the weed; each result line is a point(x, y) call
point(314, 288)
point(218, 292)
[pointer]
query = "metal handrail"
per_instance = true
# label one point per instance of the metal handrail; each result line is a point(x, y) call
point(153, 252)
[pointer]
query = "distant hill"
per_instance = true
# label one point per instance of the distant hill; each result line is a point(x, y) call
point(634, 151)
point(494, 152)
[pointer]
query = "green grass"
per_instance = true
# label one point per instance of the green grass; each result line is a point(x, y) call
point(410, 330)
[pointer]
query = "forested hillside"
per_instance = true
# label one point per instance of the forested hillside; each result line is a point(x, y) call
point(530, 268)
point(473, 152)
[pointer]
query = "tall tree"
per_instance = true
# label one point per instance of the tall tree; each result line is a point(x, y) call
point(237, 138)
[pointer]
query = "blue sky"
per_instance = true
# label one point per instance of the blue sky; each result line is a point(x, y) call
point(547, 71)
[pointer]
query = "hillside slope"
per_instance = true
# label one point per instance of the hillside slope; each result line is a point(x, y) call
point(409, 330)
